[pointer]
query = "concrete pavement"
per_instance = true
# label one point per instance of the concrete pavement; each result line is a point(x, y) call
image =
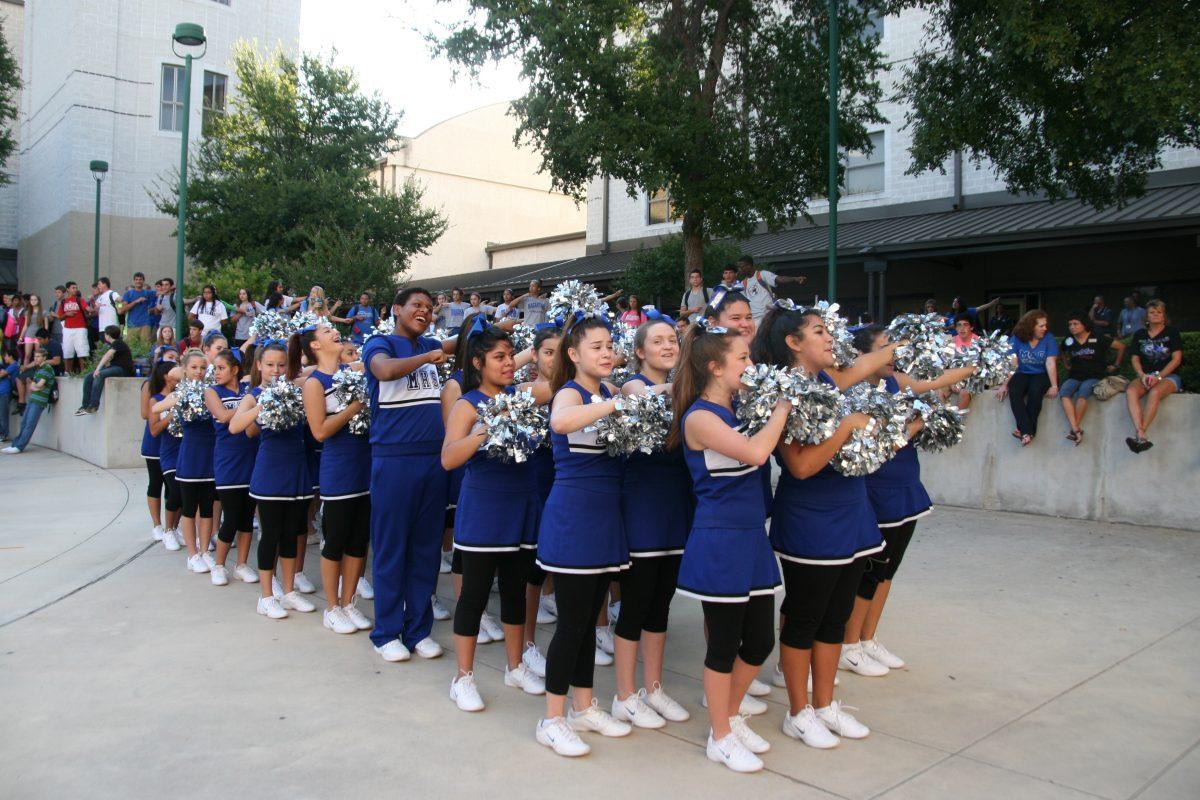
point(1048, 659)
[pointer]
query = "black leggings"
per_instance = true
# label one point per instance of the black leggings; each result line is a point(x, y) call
point(818, 601)
point(737, 630)
point(278, 522)
point(1025, 395)
point(173, 500)
point(346, 525)
point(646, 591)
point(537, 575)
point(883, 565)
point(571, 657)
point(478, 569)
point(198, 496)
point(237, 513)
point(154, 483)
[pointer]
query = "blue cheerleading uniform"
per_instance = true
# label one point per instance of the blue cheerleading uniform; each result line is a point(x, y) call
point(727, 558)
point(345, 459)
point(168, 445)
point(195, 463)
point(233, 453)
point(408, 489)
point(826, 519)
point(312, 456)
point(151, 443)
point(895, 489)
point(579, 533)
point(498, 507)
point(280, 468)
point(656, 500)
point(454, 477)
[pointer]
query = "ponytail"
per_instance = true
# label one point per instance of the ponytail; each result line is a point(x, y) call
point(700, 348)
point(300, 345)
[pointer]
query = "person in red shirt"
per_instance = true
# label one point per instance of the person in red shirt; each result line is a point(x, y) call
point(72, 310)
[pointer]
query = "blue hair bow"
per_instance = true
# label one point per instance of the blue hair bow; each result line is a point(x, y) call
point(579, 315)
point(269, 342)
point(721, 292)
point(653, 313)
point(306, 329)
point(478, 325)
point(543, 326)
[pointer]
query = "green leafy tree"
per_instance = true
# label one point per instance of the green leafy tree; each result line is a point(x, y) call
point(230, 276)
point(1077, 97)
point(722, 103)
point(653, 273)
point(290, 168)
point(10, 84)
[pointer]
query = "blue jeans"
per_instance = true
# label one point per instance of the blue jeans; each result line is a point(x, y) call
point(93, 389)
point(1076, 389)
point(29, 421)
point(4, 400)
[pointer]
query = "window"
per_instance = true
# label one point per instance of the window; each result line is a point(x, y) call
point(659, 208)
point(170, 106)
point(864, 173)
point(215, 86)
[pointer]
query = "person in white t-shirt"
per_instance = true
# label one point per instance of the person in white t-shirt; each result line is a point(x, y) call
point(757, 285)
point(107, 303)
point(209, 310)
point(533, 304)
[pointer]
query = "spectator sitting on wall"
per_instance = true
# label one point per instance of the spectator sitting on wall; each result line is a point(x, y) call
point(958, 306)
point(1036, 376)
point(166, 338)
point(1157, 356)
point(964, 337)
point(54, 351)
point(1131, 319)
point(117, 362)
point(1101, 315)
point(41, 384)
point(1086, 353)
point(9, 378)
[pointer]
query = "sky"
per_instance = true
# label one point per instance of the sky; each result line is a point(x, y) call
point(382, 41)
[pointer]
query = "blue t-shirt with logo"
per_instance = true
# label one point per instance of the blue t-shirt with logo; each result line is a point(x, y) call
point(1032, 360)
point(139, 315)
point(406, 414)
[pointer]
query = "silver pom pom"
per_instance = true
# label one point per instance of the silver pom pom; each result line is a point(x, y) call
point(280, 406)
point(843, 341)
point(190, 406)
point(641, 425)
point(350, 385)
point(622, 339)
point(304, 319)
point(992, 356)
point(943, 423)
point(571, 296)
point(929, 349)
point(522, 337)
point(618, 377)
point(815, 410)
point(270, 324)
point(871, 447)
point(175, 426)
point(516, 426)
point(525, 374)
point(385, 327)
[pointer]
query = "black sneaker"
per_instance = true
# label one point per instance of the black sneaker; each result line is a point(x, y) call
point(1132, 444)
point(1143, 445)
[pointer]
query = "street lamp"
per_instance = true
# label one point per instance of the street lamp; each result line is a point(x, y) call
point(831, 292)
point(187, 35)
point(99, 170)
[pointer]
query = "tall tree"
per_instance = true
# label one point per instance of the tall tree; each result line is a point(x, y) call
point(10, 84)
point(1074, 97)
point(289, 170)
point(721, 102)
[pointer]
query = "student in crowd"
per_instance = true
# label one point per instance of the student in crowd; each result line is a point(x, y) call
point(1131, 319)
point(480, 307)
point(52, 348)
point(195, 337)
point(117, 362)
point(959, 306)
point(138, 300)
point(73, 313)
point(165, 312)
point(506, 310)
point(964, 338)
point(729, 280)
point(35, 319)
point(1157, 357)
point(1036, 376)
point(53, 323)
point(452, 314)
point(208, 310)
point(244, 312)
point(1086, 353)
point(41, 384)
point(164, 340)
point(106, 305)
point(759, 284)
point(533, 305)
point(9, 376)
point(634, 316)
point(363, 318)
point(691, 307)
point(1101, 317)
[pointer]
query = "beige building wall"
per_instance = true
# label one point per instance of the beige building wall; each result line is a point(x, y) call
point(488, 189)
point(540, 252)
point(12, 23)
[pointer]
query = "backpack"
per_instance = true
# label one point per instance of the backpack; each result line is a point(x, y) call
point(763, 284)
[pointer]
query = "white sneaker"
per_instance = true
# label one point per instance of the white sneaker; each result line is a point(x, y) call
point(855, 660)
point(196, 564)
point(357, 618)
point(336, 620)
point(596, 719)
point(604, 639)
point(603, 659)
point(496, 585)
point(212, 544)
point(179, 539)
point(209, 561)
point(732, 753)
point(875, 649)
point(244, 574)
point(364, 589)
point(665, 705)
point(806, 727)
point(754, 743)
point(549, 603)
point(465, 693)
point(169, 541)
point(488, 622)
point(559, 736)
point(778, 680)
point(544, 615)
point(445, 566)
point(269, 607)
point(303, 584)
point(297, 602)
point(10, 450)
point(533, 658)
point(483, 637)
point(156, 533)
point(839, 721)
point(428, 648)
point(525, 679)
point(276, 586)
point(313, 538)
point(394, 651)
point(614, 613)
point(219, 576)
point(750, 707)
point(758, 689)
point(439, 611)
point(633, 709)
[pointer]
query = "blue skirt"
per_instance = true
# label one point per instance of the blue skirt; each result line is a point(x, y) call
point(657, 514)
point(580, 534)
point(195, 463)
point(896, 505)
point(454, 486)
point(481, 525)
point(825, 519)
point(728, 565)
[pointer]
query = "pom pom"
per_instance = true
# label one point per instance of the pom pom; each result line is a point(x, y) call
point(618, 377)
point(992, 357)
point(175, 426)
point(929, 348)
point(385, 327)
point(815, 410)
point(622, 339)
point(280, 405)
point(304, 319)
point(641, 425)
point(522, 337)
point(270, 324)
point(190, 406)
point(943, 423)
point(516, 426)
point(350, 385)
point(870, 448)
point(571, 296)
point(843, 341)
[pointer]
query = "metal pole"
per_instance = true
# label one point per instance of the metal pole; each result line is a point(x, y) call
point(96, 239)
point(833, 147)
point(180, 314)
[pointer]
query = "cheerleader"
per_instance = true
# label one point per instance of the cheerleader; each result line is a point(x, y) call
point(168, 452)
point(487, 543)
point(822, 528)
point(194, 471)
point(727, 561)
point(451, 561)
point(233, 462)
point(656, 510)
point(345, 478)
point(899, 500)
point(279, 483)
point(408, 484)
point(151, 393)
point(582, 555)
point(352, 358)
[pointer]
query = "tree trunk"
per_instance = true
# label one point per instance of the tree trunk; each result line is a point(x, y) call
point(693, 243)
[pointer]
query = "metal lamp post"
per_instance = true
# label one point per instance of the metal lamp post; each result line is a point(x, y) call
point(187, 35)
point(833, 148)
point(99, 170)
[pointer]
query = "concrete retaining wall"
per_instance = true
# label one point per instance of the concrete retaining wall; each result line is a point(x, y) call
point(111, 438)
point(1100, 479)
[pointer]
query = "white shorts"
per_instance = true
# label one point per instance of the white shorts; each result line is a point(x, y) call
point(75, 343)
